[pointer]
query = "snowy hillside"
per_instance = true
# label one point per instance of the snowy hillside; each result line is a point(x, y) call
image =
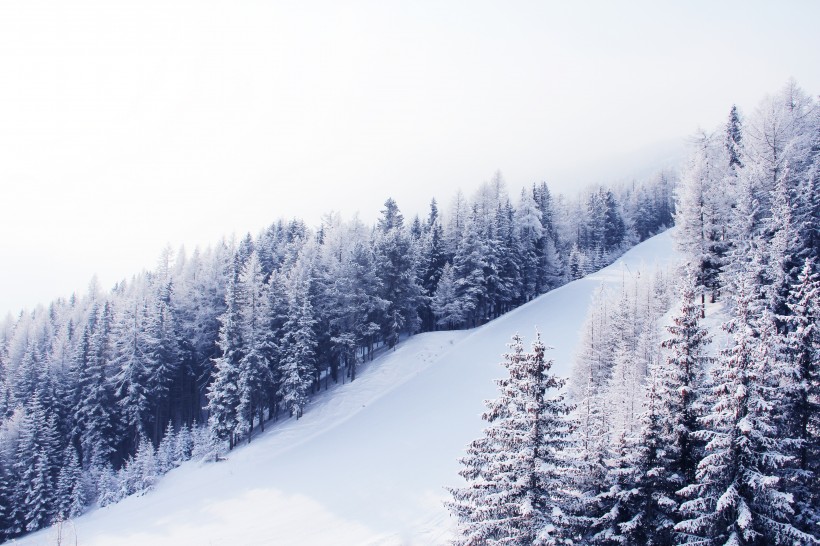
point(392, 439)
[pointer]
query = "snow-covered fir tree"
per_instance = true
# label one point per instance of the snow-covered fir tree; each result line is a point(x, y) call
point(70, 487)
point(223, 392)
point(298, 348)
point(800, 381)
point(254, 377)
point(513, 472)
point(680, 382)
point(738, 496)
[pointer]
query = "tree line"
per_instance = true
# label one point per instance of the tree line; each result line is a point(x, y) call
point(209, 345)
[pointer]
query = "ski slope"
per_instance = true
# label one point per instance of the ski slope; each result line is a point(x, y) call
point(368, 463)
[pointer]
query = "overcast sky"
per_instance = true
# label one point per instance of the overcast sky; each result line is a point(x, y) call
point(126, 126)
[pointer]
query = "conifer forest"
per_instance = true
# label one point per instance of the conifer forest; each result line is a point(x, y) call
point(105, 391)
point(692, 414)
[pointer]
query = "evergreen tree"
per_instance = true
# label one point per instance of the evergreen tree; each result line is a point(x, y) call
point(6, 496)
point(95, 411)
point(514, 473)
point(366, 304)
point(223, 392)
point(579, 265)
point(527, 222)
point(647, 492)
point(145, 463)
point(800, 379)
point(550, 262)
point(108, 490)
point(166, 451)
point(298, 351)
point(587, 456)
point(505, 284)
point(37, 501)
point(36, 465)
point(254, 375)
point(737, 497)
point(651, 463)
point(470, 268)
point(700, 226)
point(184, 446)
point(134, 361)
point(397, 273)
point(446, 305)
point(70, 487)
point(434, 260)
point(680, 382)
point(734, 139)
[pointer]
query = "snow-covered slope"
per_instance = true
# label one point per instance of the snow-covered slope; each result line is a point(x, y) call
point(367, 464)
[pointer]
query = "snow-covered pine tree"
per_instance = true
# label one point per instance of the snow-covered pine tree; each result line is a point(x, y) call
point(578, 263)
point(184, 446)
point(433, 262)
point(108, 490)
point(738, 497)
point(95, 411)
point(733, 139)
point(134, 361)
point(698, 218)
point(513, 472)
point(6, 493)
point(609, 372)
point(166, 451)
point(550, 263)
point(587, 454)
point(37, 500)
point(34, 496)
point(680, 381)
point(255, 376)
point(223, 392)
point(469, 268)
point(161, 344)
point(396, 271)
point(800, 371)
point(144, 466)
point(70, 499)
point(298, 350)
point(529, 231)
point(445, 304)
point(646, 491)
point(744, 229)
point(505, 259)
point(367, 305)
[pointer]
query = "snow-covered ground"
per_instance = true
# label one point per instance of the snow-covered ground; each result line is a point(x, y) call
point(368, 463)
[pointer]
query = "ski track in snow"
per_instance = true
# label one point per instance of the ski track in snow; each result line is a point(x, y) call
point(369, 463)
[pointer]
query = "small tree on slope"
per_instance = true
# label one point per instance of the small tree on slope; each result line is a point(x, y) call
point(513, 472)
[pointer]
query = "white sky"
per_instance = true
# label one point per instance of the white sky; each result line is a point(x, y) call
point(126, 126)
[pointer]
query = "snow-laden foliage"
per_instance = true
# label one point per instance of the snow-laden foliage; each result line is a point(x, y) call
point(616, 453)
point(514, 473)
point(738, 495)
point(756, 479)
